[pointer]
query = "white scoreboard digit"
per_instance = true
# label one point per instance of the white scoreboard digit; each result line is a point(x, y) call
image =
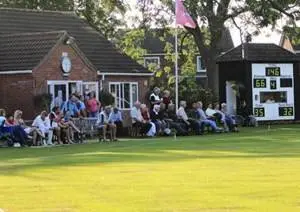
point(273, 91)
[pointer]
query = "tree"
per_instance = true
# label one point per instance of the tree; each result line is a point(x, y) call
point(64, 5)
point(212, 16)
point(104, 15)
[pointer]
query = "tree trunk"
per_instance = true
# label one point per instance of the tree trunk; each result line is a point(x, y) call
point(212, 75)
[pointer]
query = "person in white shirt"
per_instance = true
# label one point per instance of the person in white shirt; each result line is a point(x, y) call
point(210, 112)
point(104, 122)
point(155, 98)
point(43, 124)
point(181, 114)
point(135, 113)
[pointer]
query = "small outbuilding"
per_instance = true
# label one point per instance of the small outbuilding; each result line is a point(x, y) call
point(266, 76)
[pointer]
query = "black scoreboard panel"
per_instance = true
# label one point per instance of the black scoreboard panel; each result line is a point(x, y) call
point(273, 72)
point(286, 82)
point(286, 111)
point(259, 111)
point(259, 83)
point(273, 84)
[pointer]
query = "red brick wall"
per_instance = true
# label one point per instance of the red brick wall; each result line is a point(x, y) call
point(50, 69)
point(16, 92)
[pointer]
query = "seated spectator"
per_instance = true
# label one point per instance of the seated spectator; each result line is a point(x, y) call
point(80, 105)
point(18, 120)
point(57, 126)
point(137, 119)
point(9, 120)
point(106, 124)
point(92, 105)
point(229, 119)
point(40, 122)
point(16, 132)
point(157, 118)
point(189, 123)
point(147, 121)
point(246, 113)
point(2, 117)
point(210, 112)
point(171, 119)
point(115, 117)
point(221, 117)
point(204, 120)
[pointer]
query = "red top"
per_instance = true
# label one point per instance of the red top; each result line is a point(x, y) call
point(146, 115)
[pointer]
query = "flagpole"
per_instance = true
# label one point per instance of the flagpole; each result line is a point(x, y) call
point(176, 67)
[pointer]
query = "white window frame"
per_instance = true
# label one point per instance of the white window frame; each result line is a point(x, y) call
point(118, 101)
point(151, 58)
point(199, 69)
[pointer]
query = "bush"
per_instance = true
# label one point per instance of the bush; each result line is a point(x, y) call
point(106, 98)
point(42, 101)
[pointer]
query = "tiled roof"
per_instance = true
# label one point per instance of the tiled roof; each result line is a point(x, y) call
point(103, 55)
point(25, 51)
point(259, 52)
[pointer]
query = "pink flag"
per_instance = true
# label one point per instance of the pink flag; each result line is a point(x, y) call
point(182, 16)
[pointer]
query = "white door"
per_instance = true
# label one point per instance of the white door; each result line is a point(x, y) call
point(89, 87)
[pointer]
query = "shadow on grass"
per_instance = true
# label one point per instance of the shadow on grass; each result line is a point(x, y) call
point(252, 143)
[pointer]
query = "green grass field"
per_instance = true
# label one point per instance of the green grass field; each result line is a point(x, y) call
point(254, 170)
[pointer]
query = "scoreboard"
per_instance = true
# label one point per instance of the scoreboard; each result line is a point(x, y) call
point(273, 91)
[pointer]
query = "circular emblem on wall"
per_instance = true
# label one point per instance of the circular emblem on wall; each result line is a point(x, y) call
point(66, 64)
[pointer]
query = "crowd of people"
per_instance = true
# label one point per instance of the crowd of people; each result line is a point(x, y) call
point(159, 117)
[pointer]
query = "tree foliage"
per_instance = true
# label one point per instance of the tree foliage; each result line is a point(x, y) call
point(212, 16)
point(104, 15)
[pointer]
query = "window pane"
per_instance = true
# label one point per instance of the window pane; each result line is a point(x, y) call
point(126, 95)
point(122, 96)
point(152, 62)
point(273, 97)
point(134, 93)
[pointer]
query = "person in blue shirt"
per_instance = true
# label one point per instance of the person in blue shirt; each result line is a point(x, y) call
point(70, 107)
point(116, 117)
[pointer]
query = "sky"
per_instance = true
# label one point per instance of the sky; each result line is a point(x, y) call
point(267, 35)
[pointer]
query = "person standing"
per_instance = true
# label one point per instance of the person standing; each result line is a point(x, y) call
point(93, 105)
point(155, 98)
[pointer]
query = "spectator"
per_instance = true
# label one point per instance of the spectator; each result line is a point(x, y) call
point(81, 106)
point(70, 107)
point(58, 101)
point(221, 117)
point(147, 121)
point(106, 124)
point(210, 112)
point(171, 119)
point(56, 125)
point(2, 117)
point(154, 97)
point(18, 120)
point(137, 118)
point(116, 118)
point(246, 113)
point(204, 120)
point(41, 123)
point(93, 105)
point(230, 121)
point(166, 99)
point(157, 118)
point(9, 120)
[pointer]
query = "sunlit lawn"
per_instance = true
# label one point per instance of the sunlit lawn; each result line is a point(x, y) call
point(254, 170)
